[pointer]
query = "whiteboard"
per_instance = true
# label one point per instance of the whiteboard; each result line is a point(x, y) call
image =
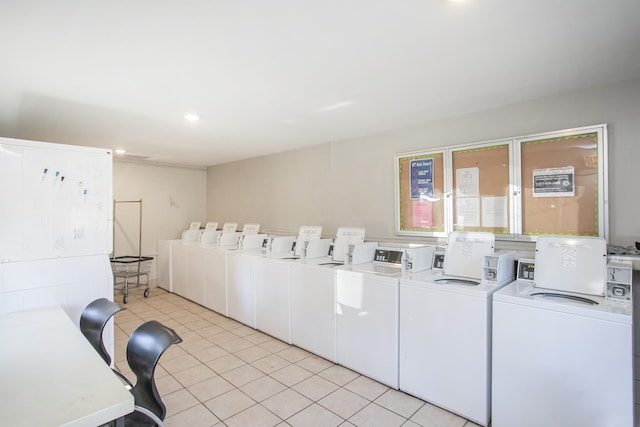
point(57, 200)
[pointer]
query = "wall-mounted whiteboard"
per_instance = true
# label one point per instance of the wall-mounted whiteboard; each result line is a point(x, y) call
point(56, 200)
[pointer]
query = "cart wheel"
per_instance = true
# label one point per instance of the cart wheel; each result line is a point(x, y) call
point(125, 299)
point(146, 293)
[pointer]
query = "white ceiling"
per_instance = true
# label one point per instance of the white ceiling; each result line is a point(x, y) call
point(272, 75)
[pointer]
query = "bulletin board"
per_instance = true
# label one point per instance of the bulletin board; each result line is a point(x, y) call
point(420, 198)
point(481, 199)
point(559, 181)
point(551, 183)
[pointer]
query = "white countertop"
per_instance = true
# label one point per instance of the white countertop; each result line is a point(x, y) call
point(51, 376)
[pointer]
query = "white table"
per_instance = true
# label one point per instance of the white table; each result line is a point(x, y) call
point(51, 376)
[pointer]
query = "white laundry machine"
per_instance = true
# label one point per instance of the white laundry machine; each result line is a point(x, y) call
point(215, 246)
point(183, 266)
point(163, 266)
point(241, 277)
point(272, 281)
point(562, 352)
point(367, 312)
point(313, 319)
point(184, 269)
point(445, 333)
point(313, 292)
point(187, 265)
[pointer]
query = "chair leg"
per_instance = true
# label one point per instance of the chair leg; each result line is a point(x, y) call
point(149, 414)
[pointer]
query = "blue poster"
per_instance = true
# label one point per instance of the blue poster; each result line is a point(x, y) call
point(422, 178)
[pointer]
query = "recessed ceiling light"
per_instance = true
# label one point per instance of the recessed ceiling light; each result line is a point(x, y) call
point(190, 117)
point(120, 151)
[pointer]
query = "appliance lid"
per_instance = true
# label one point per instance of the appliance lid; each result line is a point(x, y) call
point(465, 253)
point(572, 264)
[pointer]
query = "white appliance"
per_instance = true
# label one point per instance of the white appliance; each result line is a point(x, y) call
point(305, 234)
point(215, 272)
point(279, 246)
point(418, 258)
point(192, 234)
point(360, 253)
point(562, 353)
point(163, 266)
point(317, 250)
point(313, 320)
point(56, 227)
point(214, 277)
point(367, 310)
point(313, 294)
point(445, 333)
point(188, 261)
point(272, 275)
point(197, 270)
point(187, 269)
point(229, 236)
point(210, 233)
point(241, 275)
point(346, 236)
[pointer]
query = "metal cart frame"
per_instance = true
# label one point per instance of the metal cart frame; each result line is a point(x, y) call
point(129, 266)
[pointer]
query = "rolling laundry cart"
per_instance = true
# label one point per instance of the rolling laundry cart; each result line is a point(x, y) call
point(128, 269)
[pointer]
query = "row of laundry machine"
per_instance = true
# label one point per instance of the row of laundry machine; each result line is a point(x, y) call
point(448, 325)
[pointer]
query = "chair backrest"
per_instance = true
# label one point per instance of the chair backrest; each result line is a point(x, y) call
point(145, 346)
point(93, 320)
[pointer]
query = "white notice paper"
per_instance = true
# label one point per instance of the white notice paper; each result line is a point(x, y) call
point(467, 182)
point(494, 212)
point(468, 211)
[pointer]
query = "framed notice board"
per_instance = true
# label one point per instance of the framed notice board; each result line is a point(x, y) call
point(420, 193)
point(481, 179)
point(562, 182)
point(551, 183)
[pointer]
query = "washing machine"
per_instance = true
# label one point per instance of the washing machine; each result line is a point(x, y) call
point(313, 320)
point(445, 326)
point(272, 282)
point(215, 245)
point(241, 304)
point(367, 309)
point(313, 291)
point(562, 351)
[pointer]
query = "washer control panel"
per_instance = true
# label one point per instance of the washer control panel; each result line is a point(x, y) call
point(388, 256)
point(526, 269)
point(438, 261)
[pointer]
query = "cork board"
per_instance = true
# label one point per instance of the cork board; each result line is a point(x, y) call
point(421, 193)
point(553, 183)
point(481, 199)
point(559, 181)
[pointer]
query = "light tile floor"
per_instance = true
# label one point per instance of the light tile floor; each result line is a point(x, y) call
point(227, 374)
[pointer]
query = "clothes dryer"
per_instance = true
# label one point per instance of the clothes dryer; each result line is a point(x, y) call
point(562, 358)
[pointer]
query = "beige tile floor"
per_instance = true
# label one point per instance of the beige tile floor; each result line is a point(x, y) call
point(227, 374)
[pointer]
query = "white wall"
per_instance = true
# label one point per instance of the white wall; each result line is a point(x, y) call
point(172, 197)
point(352, 182)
